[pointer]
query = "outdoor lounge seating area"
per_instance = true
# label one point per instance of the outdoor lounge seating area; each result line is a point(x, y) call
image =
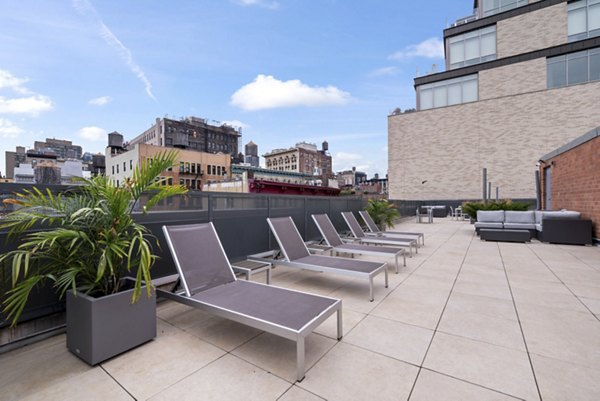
point(561, 227)
point(465, 319)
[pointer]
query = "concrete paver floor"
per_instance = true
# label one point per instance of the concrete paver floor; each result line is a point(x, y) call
point(464, 320)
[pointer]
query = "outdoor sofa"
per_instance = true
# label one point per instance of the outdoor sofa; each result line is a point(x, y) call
point(561, 226)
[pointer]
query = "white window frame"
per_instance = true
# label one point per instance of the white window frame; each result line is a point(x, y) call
point(461, 41)
point(436, 94)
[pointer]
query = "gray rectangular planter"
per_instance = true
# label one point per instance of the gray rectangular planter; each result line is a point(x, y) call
point(100, 328)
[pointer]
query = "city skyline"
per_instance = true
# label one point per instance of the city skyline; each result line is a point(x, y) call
point(283, 71)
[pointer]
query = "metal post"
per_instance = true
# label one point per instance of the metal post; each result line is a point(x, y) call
point(496, 193)
point(484, 183)
point(489, 190)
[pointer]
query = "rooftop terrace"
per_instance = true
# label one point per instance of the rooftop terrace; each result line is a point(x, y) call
point(465, 320)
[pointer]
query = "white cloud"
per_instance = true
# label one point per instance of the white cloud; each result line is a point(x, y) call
point(100, 101)
point(272, 5)
point(31, 102)
point(379, 72)
point(429, 48)
point(236, 124)
point(92, 133)
point(9, 130)
point(25, 105)
point(7, 80)
point(85, 8)
point(267, 92)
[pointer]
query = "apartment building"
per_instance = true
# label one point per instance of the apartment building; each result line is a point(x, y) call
point(522, 78)
point(192, 133)
point(192, 168)
point(303, 158)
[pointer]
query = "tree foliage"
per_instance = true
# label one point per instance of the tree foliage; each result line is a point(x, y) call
point(382, 212)
point(86, 238)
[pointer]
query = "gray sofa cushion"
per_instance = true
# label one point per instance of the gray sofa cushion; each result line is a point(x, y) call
point(526, 217)
point(520, 226)
point(562, 214)
point(487, 224)
point(490, 216)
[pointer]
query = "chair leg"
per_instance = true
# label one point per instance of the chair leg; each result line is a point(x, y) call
point(371, 298)
point(269, 275)
point(385, 274)
point(340, 330)
point(300, 358)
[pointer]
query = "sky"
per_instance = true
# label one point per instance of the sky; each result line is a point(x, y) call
point(284, 71)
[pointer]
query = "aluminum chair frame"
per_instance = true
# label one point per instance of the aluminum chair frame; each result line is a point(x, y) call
point(311, 262)
point(333, 239)
point(298, 335)
point(375, 230)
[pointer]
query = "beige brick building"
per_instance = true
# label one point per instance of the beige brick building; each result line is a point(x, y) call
point(522, 78)
point(192, 169)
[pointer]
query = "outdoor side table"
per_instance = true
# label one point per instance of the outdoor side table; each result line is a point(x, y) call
point(504, 235)
point(318, 248)
point(250, 267)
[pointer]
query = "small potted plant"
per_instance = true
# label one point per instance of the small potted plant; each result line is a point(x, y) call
point(88, 247)
point(382, 212)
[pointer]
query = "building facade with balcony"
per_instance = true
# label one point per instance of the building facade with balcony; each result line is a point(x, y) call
point(191, 169)
point(522, 78)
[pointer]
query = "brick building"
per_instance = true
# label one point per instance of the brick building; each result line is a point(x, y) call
point(192, 133)
point(191, 169)
point(303, 158)
point(570, 178)
point(522, 78)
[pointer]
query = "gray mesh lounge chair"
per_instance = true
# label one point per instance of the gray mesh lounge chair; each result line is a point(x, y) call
point(210, 285)
point(332, 238)
point(376, 231)
point(358, 233)
point(297, 255)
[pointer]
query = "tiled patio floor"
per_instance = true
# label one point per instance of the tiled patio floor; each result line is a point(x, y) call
point(465, 320)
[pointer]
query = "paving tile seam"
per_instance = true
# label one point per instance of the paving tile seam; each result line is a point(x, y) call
point(380, 354)
point(116, 381)
point(479, 341)
point(442, 312)
point(472, 383)
point(302, 389)
point(537, 386)
point(576, 364)
point(563, 283)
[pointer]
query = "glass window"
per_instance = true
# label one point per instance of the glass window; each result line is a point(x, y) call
point(113, 170)
point(426, 99)
point(470, 91)
point(454, 94)
point(595, 65)
point(557, 72)
point(573, 68)
point(448, 92)
point(577, 68)
point(583, 19)
point(491, 7)
point(124, 167)
point(472, 47)
point(440, 96)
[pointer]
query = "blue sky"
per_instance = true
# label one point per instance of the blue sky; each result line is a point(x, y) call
point(283, 70)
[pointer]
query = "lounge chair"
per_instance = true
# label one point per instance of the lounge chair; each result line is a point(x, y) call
point(210, 284)
point(296, 255)
point(332, 238)
point(360, 235)
point(375, 230)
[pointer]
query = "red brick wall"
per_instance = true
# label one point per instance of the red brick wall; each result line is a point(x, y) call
point(575, 184)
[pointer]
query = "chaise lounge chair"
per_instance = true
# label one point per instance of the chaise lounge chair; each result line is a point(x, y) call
point(376, 231)
point(332, 238)
point(360, 235)
point(296, 255)
point(210, 285)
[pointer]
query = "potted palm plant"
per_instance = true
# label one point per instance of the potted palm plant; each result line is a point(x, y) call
point(382, 212)
point(90, 248)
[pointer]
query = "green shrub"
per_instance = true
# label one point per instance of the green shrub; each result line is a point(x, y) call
point(471, 208)
point(382, 212)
